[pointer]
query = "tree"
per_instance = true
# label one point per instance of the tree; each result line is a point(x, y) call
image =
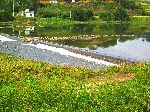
point(120, 15)
point(5, 16)
point(33, 4)
point(130, 5)
point(81, 15)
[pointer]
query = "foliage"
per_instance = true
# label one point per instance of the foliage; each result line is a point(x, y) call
point(60, 12)
point(5, 16)
point(118, 15)
point(106, 16)
point(6, 5)
point(130, 5)
point(54, 22)
point(36, 86)
point(47, 12)
point(121, 15)
point(82, 15)
point(20, 5)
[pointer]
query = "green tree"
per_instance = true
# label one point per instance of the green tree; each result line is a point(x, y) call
point(120, 15)
point(106, 16)
point(82, 15)
point(130, 5)
point(5, 16)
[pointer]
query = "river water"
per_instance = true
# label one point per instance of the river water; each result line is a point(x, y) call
point(116, 40)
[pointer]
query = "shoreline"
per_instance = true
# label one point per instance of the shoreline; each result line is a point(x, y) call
point(107, 58)
point(64, 22)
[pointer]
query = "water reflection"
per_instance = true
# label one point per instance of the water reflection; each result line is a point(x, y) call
point(121, 29)
point(29, 30)
point(121, 40)
point(83, 29)
point(77, 29)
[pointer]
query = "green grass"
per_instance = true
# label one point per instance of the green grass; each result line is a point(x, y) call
point(140, 21)
point(35, 86)
point(55, 22)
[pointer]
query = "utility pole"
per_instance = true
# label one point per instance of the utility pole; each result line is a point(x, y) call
point(13, 9)
point(70, 13)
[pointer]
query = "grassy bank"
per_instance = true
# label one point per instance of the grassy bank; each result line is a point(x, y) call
point(59, 22)
point(55, 22)
point(36, 86)
point(140, 20)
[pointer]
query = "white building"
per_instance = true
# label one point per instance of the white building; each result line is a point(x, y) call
point(53, 1)
point(29, 13)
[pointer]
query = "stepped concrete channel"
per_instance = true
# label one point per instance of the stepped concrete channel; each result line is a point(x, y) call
point(49, 53)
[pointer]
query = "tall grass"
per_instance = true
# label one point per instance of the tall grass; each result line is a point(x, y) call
point(36, 86)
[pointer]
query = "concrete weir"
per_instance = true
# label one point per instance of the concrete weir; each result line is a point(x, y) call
point(68, 53)
point(49, 53)
point(5, 39)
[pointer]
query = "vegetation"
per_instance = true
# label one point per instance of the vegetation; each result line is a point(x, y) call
point(55, 22)
point(65, 11)
point(118, 15)
point(130, 5)
point(36, 86)
point(49, 12)
point(121, 15)
point(5, 16)
point(81, 15)
point(75, 11)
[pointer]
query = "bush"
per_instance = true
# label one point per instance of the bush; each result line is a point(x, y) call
point(81, 15)
point(5, 16)
point(120, 15)
point(130, 5)
point(106, 16)
point(49, 13)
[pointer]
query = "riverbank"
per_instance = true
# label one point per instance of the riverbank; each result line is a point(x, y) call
point(59, 22)
point(43, 52)
point(35, 86)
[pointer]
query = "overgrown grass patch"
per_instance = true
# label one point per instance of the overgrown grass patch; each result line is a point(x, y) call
point(35, 86)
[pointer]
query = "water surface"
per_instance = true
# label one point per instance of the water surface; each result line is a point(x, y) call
point(116, 40)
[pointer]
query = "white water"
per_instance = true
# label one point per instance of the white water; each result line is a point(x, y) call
point(68, 53)
point(5, 39)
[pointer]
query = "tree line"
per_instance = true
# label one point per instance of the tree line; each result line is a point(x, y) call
point(115, 11)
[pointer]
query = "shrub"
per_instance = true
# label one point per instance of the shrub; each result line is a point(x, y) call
point(49, 13)
point(120, 15)
point(106, 16)
point(5, 16)
point(130, 5)
point(81, 15)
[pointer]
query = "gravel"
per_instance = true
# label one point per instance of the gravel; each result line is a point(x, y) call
point(30, 52)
